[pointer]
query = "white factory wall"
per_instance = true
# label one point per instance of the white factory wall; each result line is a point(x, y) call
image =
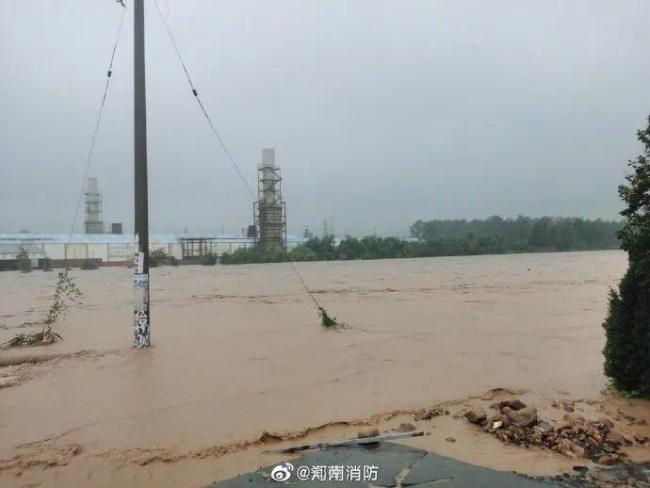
point(107, 247)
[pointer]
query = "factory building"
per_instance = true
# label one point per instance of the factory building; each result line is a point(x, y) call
point(116, 249)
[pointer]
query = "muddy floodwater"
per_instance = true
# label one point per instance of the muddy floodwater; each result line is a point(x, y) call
point(239, 351)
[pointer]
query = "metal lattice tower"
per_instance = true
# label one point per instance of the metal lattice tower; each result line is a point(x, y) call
point(269, 209)
point(93, 223)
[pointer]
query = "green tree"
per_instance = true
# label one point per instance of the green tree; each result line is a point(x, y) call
point(322, 247)
point(539, 235)
point(627, 327)
point(349, 248)
point(157, 257)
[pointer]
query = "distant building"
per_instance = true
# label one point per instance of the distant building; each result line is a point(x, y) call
point(93, 199)
point(116, 249)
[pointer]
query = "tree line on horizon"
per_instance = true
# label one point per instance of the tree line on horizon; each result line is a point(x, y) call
point(523, 234)
point(494, 235)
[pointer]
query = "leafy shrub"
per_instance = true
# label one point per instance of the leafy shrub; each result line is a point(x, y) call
point(208, 259)
point(46, 264)
point(302, 253)
point(89, 264)
point(157, 257)
point(22, 260)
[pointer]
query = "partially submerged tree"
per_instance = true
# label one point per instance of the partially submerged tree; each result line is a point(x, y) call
point(627, 327)
point(66, 290)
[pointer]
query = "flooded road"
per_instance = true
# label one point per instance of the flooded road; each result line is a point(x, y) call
point(238, 350)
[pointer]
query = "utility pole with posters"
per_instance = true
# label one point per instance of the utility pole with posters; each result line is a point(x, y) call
point(141, 315)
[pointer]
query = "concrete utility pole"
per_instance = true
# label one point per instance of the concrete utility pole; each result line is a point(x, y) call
point(141, 315)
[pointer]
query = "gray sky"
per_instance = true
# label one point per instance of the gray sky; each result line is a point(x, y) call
point(381, 112)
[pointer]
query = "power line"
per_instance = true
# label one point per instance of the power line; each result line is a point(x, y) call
point(93, 139)
point(221, 143)
point(200, 102)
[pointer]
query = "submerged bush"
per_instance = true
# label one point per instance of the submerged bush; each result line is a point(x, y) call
point(627, 327)
point(89, 264)
point(255, 254)
point(208, 259)
point(22, 260)
point(157, 257)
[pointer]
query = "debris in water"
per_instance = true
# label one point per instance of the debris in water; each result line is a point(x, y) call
point(326, 320)
point(41, 338)
point(405, 427)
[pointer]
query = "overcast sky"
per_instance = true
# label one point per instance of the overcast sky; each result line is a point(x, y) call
point(381, 112)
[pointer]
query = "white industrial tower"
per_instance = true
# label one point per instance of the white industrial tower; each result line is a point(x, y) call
point(93, 223)
point(270, 210)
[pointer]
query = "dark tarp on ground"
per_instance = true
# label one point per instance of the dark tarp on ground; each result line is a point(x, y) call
point(424, 470)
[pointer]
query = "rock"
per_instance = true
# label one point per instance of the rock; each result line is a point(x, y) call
point(450, 439)
point(405, 427)
point(437, 411)
point(615, 438)
point(424, 414)
point(543, 427)
point(562, 425)
point(603, 421)
point(578, 450)
point(563, 446)
point(515, 404)
point(523, 418)
point(607, 460)
point(428, 413)
point(476, 415)
point(574, 418)
point(566, 405)
point(368, 432)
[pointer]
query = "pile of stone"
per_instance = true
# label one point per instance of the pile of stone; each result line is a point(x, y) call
point(429, 413)
point(574, 437)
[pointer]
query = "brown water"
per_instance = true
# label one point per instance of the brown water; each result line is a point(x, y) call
point(238, 350)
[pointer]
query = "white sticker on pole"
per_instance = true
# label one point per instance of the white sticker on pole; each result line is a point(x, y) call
point(140, 278)
point(139, 262)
